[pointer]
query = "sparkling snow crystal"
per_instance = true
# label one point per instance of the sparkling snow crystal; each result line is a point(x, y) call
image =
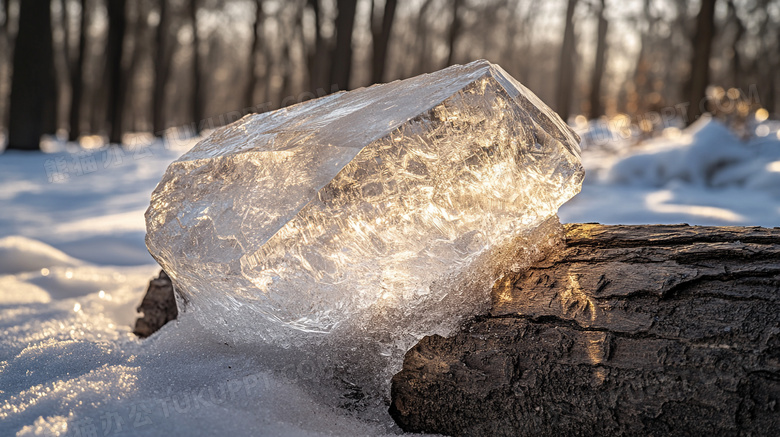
point(385, 212)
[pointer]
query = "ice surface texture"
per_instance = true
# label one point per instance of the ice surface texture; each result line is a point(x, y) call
point(383, 212)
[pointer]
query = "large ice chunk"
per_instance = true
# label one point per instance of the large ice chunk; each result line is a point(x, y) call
point(383, 212)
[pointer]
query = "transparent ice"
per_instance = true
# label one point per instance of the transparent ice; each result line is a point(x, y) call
point(377, 215)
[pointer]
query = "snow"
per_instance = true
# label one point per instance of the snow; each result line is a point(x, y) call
point(703, 175)
point(73, 267)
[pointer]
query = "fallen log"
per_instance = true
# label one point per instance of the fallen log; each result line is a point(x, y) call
point(639, 330)
point(158, 306)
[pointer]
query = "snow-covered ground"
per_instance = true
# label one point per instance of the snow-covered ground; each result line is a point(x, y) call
point(73, 267)
point(703, 175)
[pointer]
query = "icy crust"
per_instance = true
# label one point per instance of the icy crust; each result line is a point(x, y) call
point(382, 214)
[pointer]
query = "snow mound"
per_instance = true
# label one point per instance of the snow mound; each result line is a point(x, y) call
point(20, 254)
point(700, 157)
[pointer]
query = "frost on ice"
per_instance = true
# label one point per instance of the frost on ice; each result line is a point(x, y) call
point(384, 213)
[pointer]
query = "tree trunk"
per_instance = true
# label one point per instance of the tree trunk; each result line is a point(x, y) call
point(700, 64)
point(342, 54)
point(65, 32)
point(257, 29)
point(6, 17)
point(161, 71)
point(598, 66)
point(452, 37)
point(117, 22)
point(318, 58)
point(381, 40)
point(736, 62)
point(198, 103)
point(138, 119)
point(622, 330)
point(33, 88)
point(566, 65)
point(421, 32)
point(77, 77)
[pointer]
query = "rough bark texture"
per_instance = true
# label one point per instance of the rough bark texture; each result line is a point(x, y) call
point(638, 330)
point(158, 306)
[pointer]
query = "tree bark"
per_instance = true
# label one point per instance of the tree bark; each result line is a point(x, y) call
point(158, 306)
point(380, 35)
point(341, 59)
point(700, 64)
point(33, 87)
point(566, 65)
point(598, 66)
point(622, 330)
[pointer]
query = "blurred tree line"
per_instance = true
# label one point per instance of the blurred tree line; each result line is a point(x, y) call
point(102, 68)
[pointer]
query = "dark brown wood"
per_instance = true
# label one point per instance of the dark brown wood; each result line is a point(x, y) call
point(158, 306)
point(622, 330)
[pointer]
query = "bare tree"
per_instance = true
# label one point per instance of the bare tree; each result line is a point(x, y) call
point(455, 28)
point(254, 55)
point(161, 69)
point(197, 93)
point(566, 64)
point(77, 76)
point(115, 73)
point(33, 85)
point(700, 64)
point(317, 59)
point(421, 32)
point(341, 56)
point(137, 52)
point(6, 29)
point(739, 32)
point(380, 35)
point(598, 66)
